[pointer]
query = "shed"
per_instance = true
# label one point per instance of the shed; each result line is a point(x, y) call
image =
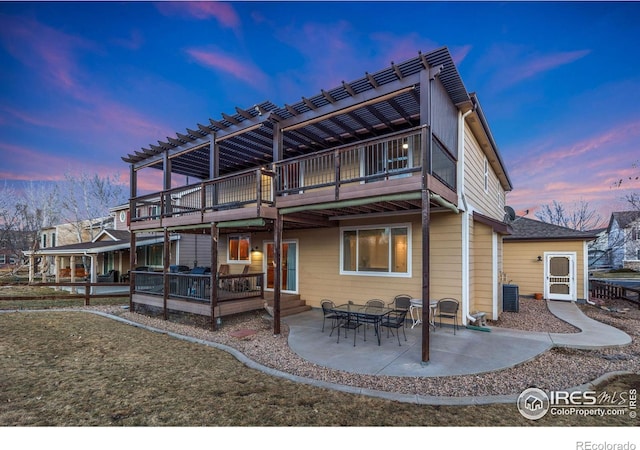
point(549, 259)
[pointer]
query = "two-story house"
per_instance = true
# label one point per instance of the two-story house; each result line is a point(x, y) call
point(100, 247)
point(624, 239)
point(390, 184)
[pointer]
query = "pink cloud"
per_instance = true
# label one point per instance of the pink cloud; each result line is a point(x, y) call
point(516, 63)
point(222, 12)
point(47, 51)
point(28, 164)
point(586, 170)
point(545, 63)
point(247, 72)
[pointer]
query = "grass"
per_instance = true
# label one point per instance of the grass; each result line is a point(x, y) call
point(70, 369)
point(7, 293)
point(620, 273)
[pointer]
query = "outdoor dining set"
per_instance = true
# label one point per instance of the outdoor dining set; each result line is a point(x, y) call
point(377, 314)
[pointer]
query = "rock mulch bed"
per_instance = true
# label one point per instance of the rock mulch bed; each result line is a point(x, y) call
point(559, 368)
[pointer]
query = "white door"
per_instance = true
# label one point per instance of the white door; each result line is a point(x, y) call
point(560, 276)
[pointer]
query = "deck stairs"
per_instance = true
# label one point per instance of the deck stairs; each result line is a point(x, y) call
point(289, 303)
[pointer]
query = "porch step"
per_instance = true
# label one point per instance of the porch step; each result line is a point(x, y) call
point(289, 304)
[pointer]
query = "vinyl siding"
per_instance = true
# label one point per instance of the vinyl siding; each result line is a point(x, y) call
point(522, 268)
point(319, 263)
point(481, 295)
point(489, 202)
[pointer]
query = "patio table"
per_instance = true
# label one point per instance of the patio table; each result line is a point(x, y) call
point(364, 314)
point(417, 303)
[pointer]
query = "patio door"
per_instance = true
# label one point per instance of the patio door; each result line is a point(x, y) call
point(289, 257)
point(560, 276)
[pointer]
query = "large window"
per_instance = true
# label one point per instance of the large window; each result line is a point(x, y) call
point(380, 250)
point(238, 250)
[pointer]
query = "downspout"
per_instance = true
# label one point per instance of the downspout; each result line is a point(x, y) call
point(462, 202)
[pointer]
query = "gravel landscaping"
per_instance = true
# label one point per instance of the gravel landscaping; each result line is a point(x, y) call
point(557, 369)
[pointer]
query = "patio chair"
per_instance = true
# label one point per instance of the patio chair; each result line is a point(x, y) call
point(401, 302)
point(370, 320)
point(326, 305)
point(348, 322)
point(375, 303)
point(242, 284)
point(448, 308)
point(395, 320)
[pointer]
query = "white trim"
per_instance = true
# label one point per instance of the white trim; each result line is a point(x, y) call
point(585, 270)
point(494, 281)
point(264, 264)
point(242, 262)
point(573, 286)
point(407, 274)
point(466, 216)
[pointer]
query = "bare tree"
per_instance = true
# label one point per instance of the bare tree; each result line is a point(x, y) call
point(88, 198)
point(633, 198)
point(582, 217)
point(23, 214)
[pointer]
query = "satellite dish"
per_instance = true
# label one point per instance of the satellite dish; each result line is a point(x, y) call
point(510, 215)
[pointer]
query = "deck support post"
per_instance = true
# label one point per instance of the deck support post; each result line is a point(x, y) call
point(214, 274)
point(133, 193)
point(165, 278)
point(277, 275)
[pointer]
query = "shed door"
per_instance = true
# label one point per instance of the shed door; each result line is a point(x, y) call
point(560, 276)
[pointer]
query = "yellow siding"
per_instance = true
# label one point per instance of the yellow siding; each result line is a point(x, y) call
point(489, 202)
point(481, 292)
point(522, 268)
point(319, 263)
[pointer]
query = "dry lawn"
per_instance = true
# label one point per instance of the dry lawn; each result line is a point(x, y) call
point(78, 369)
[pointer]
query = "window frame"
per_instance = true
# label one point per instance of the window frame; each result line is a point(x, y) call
point(239, 236)
point(388, 228)
point(486, 174)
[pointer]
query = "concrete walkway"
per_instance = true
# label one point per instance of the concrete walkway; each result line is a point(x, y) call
point(466, 352)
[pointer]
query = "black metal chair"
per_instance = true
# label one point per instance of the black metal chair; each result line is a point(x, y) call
point(402, 302)
point(448, 308)
point(327, 305)
point(395, 320)
point(348, 321)
point(370, 320)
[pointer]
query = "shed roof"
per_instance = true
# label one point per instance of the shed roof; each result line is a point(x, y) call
point(525, 229)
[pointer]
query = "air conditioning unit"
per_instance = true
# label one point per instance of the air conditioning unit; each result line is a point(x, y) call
point(510, 298)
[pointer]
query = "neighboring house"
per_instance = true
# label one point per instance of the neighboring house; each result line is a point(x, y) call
point(386, 185)
point(599, 253)
point(110, 251)
point(549, 259)
point(12, 243)
point(624, 239)
point(72, 233)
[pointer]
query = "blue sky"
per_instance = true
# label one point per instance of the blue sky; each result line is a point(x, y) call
point(83, 84)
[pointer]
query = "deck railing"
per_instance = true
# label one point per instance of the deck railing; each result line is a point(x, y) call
point(394, 156)
point(253, 187)
point(196, 287)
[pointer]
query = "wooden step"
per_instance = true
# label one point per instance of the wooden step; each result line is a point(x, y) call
point(289, 304)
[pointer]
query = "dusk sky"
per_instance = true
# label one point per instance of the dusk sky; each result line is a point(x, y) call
point(83, 84)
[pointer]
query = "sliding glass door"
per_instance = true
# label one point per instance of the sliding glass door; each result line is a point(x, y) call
point(289, 275)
